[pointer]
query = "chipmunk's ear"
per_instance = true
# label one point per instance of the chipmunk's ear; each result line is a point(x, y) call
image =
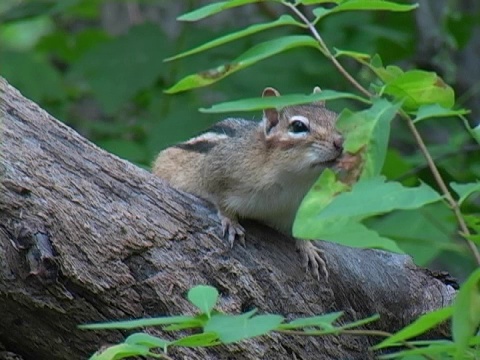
point(316, 90)
point(270, 116)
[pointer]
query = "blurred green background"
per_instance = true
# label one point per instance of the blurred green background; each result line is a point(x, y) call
point(98, 66)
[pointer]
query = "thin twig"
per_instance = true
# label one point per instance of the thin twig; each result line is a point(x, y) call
point(442, 185)
point(325, 50)
point(423, 148)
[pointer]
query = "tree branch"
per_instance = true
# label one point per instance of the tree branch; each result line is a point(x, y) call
point(87, 237)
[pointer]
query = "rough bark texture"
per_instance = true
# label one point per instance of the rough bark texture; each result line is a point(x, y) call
point(88, 237)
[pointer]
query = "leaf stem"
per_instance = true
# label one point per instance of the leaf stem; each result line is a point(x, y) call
point(423, 148)
point(325, 50)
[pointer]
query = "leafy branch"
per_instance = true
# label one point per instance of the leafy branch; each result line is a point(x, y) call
point(218, 328)
point(454, 205)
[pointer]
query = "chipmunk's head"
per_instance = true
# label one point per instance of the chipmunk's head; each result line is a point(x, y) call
point(304, 134)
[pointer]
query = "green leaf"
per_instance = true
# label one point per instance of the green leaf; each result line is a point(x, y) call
point(466, 313)
point(473, 222)
point(423, 238)
point(117, 70)
point(131, 324)
point(253, 55)
point(145, 339)
point(361, 322)
point(388, 196)
point(419, 326)
point(232, 328)
point(476, 133)
point(361, 57)
point(360, 5)
point(341, 230)
point(344, 232)
point(435, 351)
point(28, 10)
point(465, 190)
point(381, 5)
point(282, 20)
point(126, 149)
point(197, 340)
point(329, 213)
point(435, 111)
point(21, 68)
point(313, 2)
point(121, 351)
point(367, 133)
point(203, 297)
point(198, 321)
point(279, 101)
point(417, 87)
point(322, 321)
point(212, 9)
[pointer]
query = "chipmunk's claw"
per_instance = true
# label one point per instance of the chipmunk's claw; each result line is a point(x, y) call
point(312, 258)
point(232, 230)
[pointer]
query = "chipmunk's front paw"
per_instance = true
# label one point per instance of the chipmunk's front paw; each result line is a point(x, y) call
point(312, 258)
point(231, 229)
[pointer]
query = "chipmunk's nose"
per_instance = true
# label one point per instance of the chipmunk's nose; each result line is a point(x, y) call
point(338, 142)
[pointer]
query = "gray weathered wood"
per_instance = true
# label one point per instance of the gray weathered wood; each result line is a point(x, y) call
point(87, 237)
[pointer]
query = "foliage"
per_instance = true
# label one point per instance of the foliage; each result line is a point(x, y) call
point(217, 328)
point(384, 196)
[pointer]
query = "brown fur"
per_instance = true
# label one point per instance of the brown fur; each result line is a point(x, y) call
point(259, 171)
point(249, 172)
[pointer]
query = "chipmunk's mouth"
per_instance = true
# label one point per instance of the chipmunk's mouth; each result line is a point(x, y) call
point(327, 162)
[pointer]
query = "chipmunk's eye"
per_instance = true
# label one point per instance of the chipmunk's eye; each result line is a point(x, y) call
point(298, 126)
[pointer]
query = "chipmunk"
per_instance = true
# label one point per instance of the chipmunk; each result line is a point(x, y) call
point(258, 171)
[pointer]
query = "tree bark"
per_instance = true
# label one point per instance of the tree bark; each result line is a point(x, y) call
point(87, 237)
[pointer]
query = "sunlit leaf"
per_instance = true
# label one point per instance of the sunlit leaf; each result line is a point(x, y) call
point(253, 55)
point(367, 133)
point(322, 321)
point(388, 196)
point(279, 101)
point(330, 212)
point(203, 339)
point(344, 232)
point(214, 8)
point(436, 111)
point(121, 351)
point(131, 324)
point(417, 87)
point(204, 297)
point(145, 339)
point(382, 5)
point(361, 5)
point(232, 328)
